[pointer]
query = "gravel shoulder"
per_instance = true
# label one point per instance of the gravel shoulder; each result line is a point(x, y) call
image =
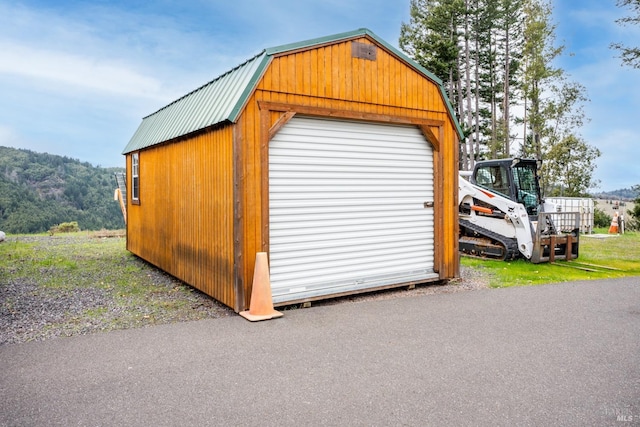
point(81, 283)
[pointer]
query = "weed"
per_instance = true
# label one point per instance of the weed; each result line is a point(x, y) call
point(95, 313)
point(65, 227)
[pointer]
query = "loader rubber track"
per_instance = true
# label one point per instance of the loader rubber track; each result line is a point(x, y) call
point(480, 241)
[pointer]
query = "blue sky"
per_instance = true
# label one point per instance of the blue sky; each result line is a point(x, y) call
point(76, 77)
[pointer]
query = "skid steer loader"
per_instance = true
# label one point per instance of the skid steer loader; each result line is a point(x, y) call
point(502, 215)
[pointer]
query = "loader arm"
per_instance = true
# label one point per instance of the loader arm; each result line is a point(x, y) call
point(497, 214)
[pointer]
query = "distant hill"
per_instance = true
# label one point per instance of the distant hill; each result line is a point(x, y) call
point(627, 194)
point(39, 190)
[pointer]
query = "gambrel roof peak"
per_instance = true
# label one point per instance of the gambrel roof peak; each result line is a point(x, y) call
point(222, 99)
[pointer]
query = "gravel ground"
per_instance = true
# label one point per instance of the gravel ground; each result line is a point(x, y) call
point(87, 300)
point(31, 310)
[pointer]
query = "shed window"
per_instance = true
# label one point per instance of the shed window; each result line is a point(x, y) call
point(135, 175)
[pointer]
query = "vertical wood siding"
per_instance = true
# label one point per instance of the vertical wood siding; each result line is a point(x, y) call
point(184, 223)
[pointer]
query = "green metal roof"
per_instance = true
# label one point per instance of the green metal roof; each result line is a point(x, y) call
point(217, 101)
point(222, 99)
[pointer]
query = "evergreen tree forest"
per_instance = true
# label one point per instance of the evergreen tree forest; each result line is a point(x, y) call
point(39, 191)
point(497, 61)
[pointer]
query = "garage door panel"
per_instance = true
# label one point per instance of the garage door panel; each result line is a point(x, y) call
point(365, 135)
point(301, 248)
point(369, 269)
point(336, 206)
point(380, 183)
point(346, 207)
point(360, 196)
point(311, 150)
point(350, 169)
point(319, 147)
point(333, 283)
point(376, 261)
point(340, 234)
point(329, 152)
point(336, 222)
point(373, 257)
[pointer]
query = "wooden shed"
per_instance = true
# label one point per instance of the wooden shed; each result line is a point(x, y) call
point(337, 156)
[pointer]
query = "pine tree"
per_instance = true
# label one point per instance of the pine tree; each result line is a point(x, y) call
point(553, 110)
point(538, 72)
point(510, 26)
point(630, 55)
point(432, 38)
point(493, 55)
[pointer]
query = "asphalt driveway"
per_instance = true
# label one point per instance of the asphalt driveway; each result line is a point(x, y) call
point(566, 354)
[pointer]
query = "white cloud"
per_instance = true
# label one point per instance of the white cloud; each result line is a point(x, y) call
point(7, 136)
point(92, 73)
point(111, 50)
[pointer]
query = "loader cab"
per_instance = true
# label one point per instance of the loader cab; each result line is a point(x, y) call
point(515, 179)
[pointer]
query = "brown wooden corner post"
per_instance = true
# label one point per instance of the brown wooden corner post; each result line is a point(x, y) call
point(238, 222)
point(456, 201)
point(438, 208)
point(264, 178)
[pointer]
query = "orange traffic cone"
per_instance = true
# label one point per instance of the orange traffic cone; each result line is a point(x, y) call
point(613, 229)
point(261, 305)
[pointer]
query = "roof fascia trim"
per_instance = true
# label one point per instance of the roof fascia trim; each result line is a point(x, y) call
point(250, 87)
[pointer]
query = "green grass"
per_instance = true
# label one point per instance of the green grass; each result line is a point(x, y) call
point(621, 252)
point(129, 292)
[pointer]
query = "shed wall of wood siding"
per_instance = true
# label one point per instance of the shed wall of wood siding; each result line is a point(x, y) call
point(184, 222)
point(333, 83)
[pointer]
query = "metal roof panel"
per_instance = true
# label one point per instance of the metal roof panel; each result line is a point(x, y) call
point(206, 106)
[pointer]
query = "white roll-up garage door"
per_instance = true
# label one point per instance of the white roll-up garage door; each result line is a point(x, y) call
point(347, 207)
